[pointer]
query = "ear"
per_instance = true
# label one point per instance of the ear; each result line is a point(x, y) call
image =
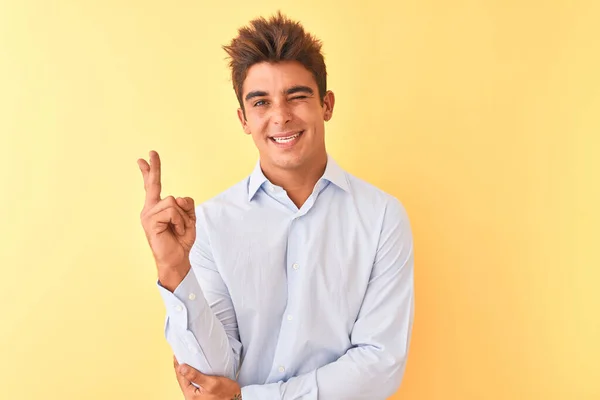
point(328, 103)
point(243, 121)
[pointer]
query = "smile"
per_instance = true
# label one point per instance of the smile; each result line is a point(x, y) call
point(287, 140)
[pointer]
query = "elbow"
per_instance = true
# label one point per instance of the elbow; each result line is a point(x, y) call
point(390, 372)
point(392, 379)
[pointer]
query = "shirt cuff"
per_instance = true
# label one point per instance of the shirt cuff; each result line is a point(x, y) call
point(185, 303)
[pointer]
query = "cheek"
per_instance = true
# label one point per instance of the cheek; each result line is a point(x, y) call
point(302, 118)
point(309, 114)
point(256, 124)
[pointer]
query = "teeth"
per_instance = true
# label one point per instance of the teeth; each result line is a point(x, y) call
point(287, 139)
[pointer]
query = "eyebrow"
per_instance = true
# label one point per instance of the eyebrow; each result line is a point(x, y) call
point(292, 90)
point(299, 89)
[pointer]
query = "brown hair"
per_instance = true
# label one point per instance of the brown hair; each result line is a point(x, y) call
point(274, 40)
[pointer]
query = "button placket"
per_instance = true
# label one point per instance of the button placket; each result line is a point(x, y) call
point(295, 266)
point(281, 350)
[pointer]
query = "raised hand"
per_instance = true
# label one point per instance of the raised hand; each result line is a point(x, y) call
point(169, 224)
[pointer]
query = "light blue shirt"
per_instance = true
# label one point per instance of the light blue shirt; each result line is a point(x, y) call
point(310, 303)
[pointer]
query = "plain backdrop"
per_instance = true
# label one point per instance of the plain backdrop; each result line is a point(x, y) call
point(481, 117)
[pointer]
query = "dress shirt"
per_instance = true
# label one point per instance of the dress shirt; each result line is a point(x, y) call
point(309, 303)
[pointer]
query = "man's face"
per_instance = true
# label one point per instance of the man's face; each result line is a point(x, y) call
point(284, 115)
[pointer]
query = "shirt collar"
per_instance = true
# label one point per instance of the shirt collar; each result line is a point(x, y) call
point(257, 178)
point(333, 173)
point(336, 175)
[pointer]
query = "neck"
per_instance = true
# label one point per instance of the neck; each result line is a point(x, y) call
point(298, 183)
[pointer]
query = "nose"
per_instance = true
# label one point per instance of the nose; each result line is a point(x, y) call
point(281, 114)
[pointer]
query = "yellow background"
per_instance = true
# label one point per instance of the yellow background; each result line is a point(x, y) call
point(482, 117)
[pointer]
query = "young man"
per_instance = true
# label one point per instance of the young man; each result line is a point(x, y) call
point(297, 282)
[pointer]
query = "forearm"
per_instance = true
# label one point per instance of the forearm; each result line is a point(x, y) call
point(363, 373)
point(196, 336)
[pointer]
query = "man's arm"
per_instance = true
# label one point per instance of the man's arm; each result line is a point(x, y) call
point(373, 368)
point(201, 326)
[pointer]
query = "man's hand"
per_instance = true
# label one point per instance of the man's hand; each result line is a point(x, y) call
point(210, 387)
point(169, 224)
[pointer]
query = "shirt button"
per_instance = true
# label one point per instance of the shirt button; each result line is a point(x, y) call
point(179, 308)
point(289, 317)
point(295, 266)
point(192, 296)
point(281, 369)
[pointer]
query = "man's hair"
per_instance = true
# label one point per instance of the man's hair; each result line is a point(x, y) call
point(274, 40)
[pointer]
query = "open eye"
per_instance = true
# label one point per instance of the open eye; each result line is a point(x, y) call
point(260, 103)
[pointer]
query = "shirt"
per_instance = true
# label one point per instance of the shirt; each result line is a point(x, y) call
point(310, 303)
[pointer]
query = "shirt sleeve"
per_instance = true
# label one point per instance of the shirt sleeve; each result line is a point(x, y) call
point(201, 325)
point(374, 366)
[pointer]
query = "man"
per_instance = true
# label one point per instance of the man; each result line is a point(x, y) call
point(297, 282)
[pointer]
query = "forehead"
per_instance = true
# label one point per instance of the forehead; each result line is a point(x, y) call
point(276, 77)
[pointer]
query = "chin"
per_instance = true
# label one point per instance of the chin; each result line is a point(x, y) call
point(291, 161)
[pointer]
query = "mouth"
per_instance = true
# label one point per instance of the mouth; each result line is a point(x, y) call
point(286, 141)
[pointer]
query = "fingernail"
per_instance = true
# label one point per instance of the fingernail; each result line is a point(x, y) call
point(183, 370)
